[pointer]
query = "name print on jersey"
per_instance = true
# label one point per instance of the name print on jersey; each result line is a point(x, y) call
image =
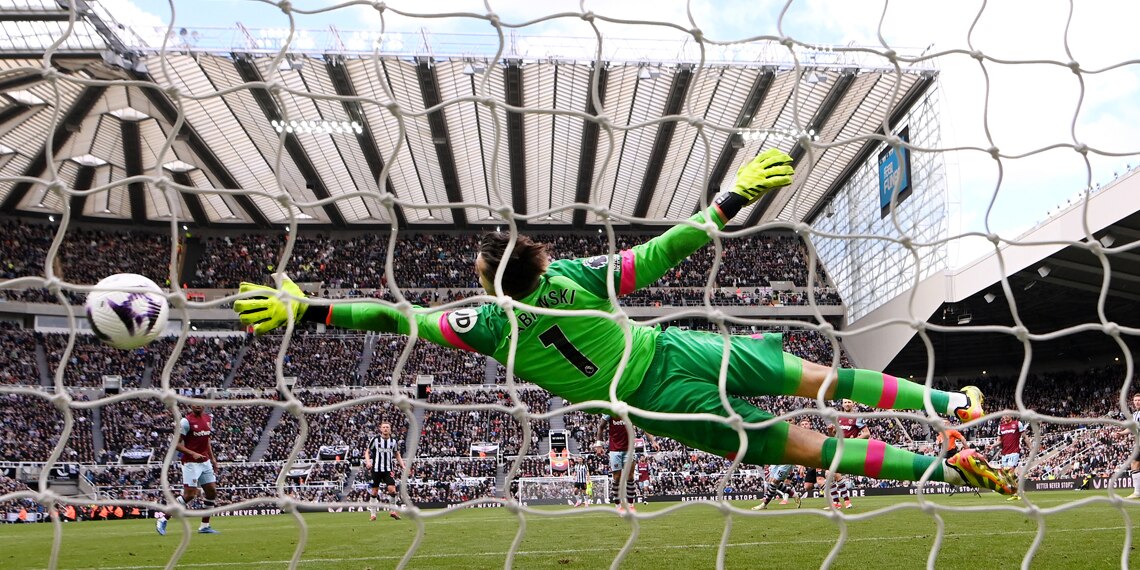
point(552, 298)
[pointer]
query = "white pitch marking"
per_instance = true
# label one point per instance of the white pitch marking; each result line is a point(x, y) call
point(581, 550)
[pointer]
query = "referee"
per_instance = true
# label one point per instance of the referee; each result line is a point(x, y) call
point(380, 459)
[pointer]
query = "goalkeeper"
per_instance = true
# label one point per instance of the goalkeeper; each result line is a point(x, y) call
point(673, 371)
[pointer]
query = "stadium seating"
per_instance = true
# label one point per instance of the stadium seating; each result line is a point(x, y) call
point(17, 356)
point(327, 365)
point(439, 262)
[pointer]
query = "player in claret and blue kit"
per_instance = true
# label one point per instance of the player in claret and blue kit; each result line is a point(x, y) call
point(578, 356)
point(199, 466)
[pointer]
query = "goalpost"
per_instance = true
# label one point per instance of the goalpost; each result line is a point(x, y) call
point(874, 255)
point(557, 490)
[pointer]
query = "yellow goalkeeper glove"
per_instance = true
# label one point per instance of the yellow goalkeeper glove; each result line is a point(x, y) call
point(770, 169)
point(267, 311)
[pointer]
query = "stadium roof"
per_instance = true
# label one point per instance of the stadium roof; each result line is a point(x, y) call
point(341, 138)
point(1056, 281)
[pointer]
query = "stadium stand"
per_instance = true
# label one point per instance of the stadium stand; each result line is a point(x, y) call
point(252, 442)
point(428, 261)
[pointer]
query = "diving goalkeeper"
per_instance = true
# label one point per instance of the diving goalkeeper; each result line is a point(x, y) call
point(672, 371)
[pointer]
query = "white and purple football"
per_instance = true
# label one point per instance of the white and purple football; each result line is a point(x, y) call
point(130, 313)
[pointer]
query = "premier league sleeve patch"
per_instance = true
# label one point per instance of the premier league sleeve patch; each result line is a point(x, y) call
point(599, 262)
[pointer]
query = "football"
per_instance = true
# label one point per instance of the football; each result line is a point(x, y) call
point(130, 313)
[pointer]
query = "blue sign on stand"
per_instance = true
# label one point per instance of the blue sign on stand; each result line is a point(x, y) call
point(894, 175)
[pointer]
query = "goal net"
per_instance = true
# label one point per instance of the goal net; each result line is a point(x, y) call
point(596, 125)
point(556, 490)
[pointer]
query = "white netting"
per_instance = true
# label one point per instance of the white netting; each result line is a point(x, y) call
point(906, 246)
point(562, 489)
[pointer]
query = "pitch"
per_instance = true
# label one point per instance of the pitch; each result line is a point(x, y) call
point(1089, 537)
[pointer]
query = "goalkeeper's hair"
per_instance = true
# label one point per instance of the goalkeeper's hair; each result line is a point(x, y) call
point(526, 264)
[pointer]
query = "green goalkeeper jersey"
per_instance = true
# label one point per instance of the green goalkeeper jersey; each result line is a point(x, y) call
point(576, 357)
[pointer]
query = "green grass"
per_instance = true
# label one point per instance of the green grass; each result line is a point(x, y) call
point(1091, 536)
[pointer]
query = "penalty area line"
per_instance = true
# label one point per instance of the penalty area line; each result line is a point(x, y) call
point(583, 550)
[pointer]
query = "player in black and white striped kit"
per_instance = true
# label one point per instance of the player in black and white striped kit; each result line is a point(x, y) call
point(1135, 465)
point(581, 477)
point(381, 458)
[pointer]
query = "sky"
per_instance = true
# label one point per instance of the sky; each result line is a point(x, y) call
point(1026, 107)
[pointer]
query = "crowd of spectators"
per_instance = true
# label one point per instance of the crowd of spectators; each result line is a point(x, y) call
point(227, 261)
point(85, 257)
point(236, 482)
point(443, 260)
point(18, 355)
point(331, 473)
point(1097, 451)
point(9, 486)
point(236, 430)
point(124, 476)
point(750, 261)
point(429, 491)
point(419, 297)
point(435, 490)
point(30, 427)
point(90, 360)
point(447, 366)
point(204, 362)
point(356, 263)
point(352, 425)
point(23, 246)
point(1066, 394)
point(450, 432)
point(314, 359)
point(454, 468)
point(431, 268)
point(443, 480)
point(137, 423)
point(754, 296)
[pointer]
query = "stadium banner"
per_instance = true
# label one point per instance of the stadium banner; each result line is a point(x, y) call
point(894, 172)
point(136, 456)
point(484, 449)
point(266, 510)
point(1095, 483)
point(1090, 483)
point(332, 452)
point(300, 471)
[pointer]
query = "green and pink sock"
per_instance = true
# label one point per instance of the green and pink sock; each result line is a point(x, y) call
point(873, 458)
point(890, 393)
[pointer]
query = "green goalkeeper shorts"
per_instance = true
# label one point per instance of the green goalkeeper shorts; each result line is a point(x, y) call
point(683, 378)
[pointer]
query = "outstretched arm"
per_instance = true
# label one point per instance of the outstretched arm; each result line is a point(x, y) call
point(646, 263)
point(462, 329)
